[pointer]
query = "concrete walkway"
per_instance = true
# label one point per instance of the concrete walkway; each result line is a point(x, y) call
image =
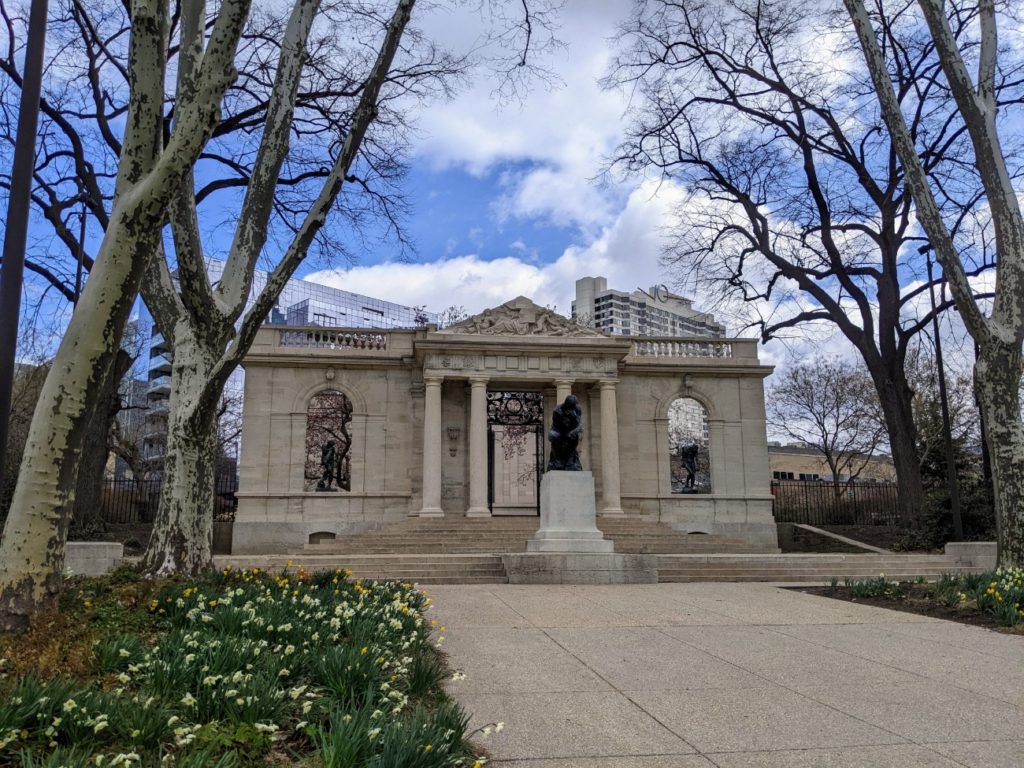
point(728, 675)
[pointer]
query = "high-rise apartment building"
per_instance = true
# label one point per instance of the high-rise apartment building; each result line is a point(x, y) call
point(657, 312)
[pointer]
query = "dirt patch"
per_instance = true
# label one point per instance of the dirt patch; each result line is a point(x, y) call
point(920, 599)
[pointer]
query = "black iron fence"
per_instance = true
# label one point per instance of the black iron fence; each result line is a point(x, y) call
point(135, 502)
point(820, 502)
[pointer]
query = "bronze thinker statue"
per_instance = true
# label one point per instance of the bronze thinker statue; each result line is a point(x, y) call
point(565, 433)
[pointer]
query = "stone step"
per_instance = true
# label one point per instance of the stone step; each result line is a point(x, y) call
point(817, 568)
point(323, 562)
point(420, 568)
point(893, 573)
point(427, 580)
point(331, 546)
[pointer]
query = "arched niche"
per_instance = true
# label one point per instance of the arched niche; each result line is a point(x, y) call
point(689, 444)
point(328, 464)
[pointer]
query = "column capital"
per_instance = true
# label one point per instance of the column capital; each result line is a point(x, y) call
point(564, 380)
point(433, 381)
point(479, 381)
point(606, 384)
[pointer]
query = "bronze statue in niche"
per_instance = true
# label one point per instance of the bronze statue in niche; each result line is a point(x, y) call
point(329, 442)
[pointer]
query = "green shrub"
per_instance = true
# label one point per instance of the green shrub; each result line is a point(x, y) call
point(877, 587)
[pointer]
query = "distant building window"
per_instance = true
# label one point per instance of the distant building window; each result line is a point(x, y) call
point(324, 320)
point(783, 476)
point(809, 476)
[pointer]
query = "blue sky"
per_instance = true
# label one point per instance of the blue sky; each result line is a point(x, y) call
point(505, 197)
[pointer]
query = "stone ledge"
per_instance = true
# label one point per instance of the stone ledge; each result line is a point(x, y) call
point(980, 554)
point(92, 558)
point(580, 568)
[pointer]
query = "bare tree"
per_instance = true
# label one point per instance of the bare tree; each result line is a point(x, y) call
point(796, 202)
point(199, 320)
point(999, 332)
point(831, 406)
point(456, 313)
point(152, 166)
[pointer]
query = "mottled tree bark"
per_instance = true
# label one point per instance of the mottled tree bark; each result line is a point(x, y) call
point(999, 380)
point(183, 529)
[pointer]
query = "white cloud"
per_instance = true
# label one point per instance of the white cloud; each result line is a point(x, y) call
point(626, 252)
point(555, 140)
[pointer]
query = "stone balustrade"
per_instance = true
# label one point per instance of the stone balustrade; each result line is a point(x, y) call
point(341, 340)
point(676, 348)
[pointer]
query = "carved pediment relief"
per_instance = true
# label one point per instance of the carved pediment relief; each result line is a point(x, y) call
point(521, 317)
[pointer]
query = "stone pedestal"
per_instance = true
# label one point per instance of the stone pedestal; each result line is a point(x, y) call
point(568, 516)
point(569, 548)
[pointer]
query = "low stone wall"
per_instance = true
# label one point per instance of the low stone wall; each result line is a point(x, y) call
point(979, 554)
point(580, 568)
point(92, 558)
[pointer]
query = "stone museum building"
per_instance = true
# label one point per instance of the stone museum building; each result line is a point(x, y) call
point(350, 430)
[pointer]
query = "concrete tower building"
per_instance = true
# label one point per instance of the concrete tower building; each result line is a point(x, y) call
point(655, 312)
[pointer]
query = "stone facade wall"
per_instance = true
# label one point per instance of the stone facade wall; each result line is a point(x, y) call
point(388, 377)
point(740, 501)
point(275, 511)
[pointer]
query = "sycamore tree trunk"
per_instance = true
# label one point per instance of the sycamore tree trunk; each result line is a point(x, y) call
point(181, 541)
point(32, 548)
point(87, 513)
point(896, 401)
point(999, 334)
point(999, 379)
point(202, 320)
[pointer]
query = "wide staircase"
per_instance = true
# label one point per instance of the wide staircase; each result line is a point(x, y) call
point(459, 550)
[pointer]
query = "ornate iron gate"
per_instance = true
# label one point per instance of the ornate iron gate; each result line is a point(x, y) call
point(515, 428)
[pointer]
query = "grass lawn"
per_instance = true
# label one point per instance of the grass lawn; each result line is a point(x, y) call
point(237, 668)
point(994, 599)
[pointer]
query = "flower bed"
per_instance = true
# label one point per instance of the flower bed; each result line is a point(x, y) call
point(994, 598)
point(239, 668)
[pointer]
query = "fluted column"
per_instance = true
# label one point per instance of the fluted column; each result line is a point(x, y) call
point(478, 449)
point(432, 447)
point(611, 503)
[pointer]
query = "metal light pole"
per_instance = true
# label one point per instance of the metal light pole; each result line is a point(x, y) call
point(17, 212)
point(947, 432)
point(81, 251)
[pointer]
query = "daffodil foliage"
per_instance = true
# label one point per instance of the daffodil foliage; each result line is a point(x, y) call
point(244, 668)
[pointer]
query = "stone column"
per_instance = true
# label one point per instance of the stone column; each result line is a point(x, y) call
point(478, 449)
point(432, 447)
point(611, 503)
point(563, 388)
